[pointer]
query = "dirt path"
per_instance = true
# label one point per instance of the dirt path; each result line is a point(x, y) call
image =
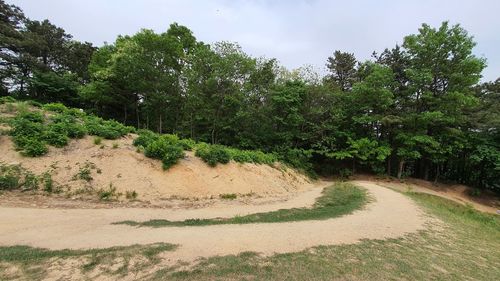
point(391, 215)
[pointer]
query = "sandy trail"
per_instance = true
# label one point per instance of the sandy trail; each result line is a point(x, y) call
point(390, 215)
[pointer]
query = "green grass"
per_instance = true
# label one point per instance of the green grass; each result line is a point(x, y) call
point(337, 200)
point(33, 262)
point(467, 248)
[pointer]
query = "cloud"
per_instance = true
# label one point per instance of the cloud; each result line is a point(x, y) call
point(295, 32)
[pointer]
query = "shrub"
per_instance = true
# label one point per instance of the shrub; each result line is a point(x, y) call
point(30, 181)
point(187, 144)
point(213, 154)
point(48, 183)
point(108, 129)
point(35, 103)
point(298, 159)
point(10, 176)
point(56, 135)
point(7, 99)
point(55, 107)
point(115, 145)
point(145, 138)
point(172, 155)
point(34, 147)
point(97, 140)
point(159, 147)
point(251, 156)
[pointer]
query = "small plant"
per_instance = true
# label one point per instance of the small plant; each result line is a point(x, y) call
point(48, 183)
point(85, 172)
point(115, 145)
point(228, 196)
point(97, 140)
point(107, 194)
point(30, 181)
point(131, 195)
point(172, 155)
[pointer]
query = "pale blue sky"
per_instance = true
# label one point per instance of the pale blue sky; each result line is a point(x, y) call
point(295, 32)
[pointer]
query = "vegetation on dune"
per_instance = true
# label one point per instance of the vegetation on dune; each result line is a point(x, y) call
point(32, 131)
point(337, 200)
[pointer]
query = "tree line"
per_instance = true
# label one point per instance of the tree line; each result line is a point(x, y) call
point(417, 109)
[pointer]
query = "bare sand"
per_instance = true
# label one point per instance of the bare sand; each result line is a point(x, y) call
point(128, 170)
point(389, 215)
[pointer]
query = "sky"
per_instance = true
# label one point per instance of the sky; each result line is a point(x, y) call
point(296, 32)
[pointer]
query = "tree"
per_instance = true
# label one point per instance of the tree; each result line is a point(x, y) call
point(342, 66)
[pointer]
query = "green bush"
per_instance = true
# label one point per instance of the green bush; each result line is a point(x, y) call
point(299, 159)
point(213, 154)
point(187, 144)
point(158, 148)
point(172, 155)
point(55, 107)
point(7, 99)
point(108, 129)
point(34, 147)
point(145, 138)
point(56, 134)
point(10, 176)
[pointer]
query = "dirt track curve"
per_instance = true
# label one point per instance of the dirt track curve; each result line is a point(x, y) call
point(390, 215)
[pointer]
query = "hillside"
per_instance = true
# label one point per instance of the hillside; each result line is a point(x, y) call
point(93, 167)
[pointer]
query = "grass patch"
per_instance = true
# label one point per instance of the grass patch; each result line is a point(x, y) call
point(337, 200)
point(468, 248)
point(33, 262)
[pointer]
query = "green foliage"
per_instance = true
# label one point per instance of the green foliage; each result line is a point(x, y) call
point(97, 140)
point(107, 194)
point(165, 147)
point(56, 135)
point(108, 129)
point(298, 159)
point(213, 154)
point(171, 156)
point(15, 176)
point(48, 182)
point(145, 138)
point(55, 107)
point(10, 176)
point(33, 147)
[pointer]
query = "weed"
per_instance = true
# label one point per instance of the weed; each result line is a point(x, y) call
point(48, 183)
point(97, 140)
point(115, 145)
point(229, 196)
point(131, 194)
point(107, 194)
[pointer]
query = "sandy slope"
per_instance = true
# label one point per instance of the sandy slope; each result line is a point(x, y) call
point(390, 215)
point(129, 170)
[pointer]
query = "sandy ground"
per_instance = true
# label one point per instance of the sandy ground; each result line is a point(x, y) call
point(457, 193)
point(390, 215)
point(127, 170)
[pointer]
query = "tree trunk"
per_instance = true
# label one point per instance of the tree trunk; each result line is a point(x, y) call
point(400, 169)
point(160, 127)
point(388, 166)
point(437, 173)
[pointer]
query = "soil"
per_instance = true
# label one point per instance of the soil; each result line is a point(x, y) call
point(127, 170)
point(389, 215)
